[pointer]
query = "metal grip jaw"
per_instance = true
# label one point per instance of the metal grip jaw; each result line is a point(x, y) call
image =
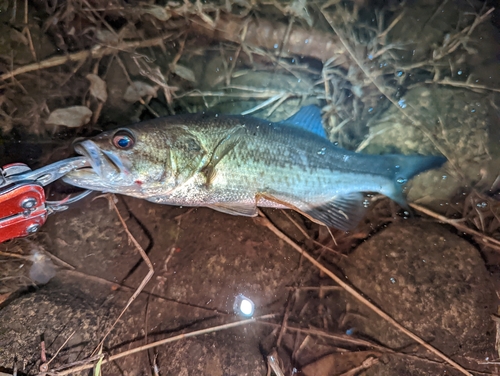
point(22, 210)
point(23, 206)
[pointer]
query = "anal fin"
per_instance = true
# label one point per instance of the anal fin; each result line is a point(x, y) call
point(342, 212)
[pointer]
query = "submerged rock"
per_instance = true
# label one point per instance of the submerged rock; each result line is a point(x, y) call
point(431, 281)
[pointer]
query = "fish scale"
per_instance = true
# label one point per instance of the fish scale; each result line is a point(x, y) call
point(235, 163)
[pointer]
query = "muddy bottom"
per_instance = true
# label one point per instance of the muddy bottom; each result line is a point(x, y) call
point(204, 259)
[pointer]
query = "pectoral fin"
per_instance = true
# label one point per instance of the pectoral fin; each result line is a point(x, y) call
point(235, 208)
point(221, 150)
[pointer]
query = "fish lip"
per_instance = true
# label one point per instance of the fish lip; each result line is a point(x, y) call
point(102, 162)
point(115, 161)
point(90, 150)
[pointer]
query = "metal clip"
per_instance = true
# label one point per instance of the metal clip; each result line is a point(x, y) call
point(17, 172)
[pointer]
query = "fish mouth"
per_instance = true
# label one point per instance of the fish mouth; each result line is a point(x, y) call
point(105, 170)
point(104, 163)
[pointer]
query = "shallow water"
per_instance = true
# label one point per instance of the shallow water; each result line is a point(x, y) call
point(412, 78)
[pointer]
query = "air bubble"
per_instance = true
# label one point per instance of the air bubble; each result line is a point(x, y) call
point(401, 180)
point(42, 270)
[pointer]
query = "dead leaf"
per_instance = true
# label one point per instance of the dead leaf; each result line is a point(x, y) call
point(298, 8)
point(4, 297)
point(496, 319)
point(107, 37)
point(159, 12)
point(340, 363)
point(139, 90)
point(17, 36)
point(97, 87)
point(72, 117)
point(183, 72)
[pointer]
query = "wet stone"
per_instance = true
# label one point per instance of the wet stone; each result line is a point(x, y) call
point(215, 354)
point(428, 279)
point(55, 313)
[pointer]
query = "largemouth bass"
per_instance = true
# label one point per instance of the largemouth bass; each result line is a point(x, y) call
point(235, 164)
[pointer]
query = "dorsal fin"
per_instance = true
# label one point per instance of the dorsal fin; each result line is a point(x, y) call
point(308, 118)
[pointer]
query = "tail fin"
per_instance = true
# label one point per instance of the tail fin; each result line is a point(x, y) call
point(406, 167)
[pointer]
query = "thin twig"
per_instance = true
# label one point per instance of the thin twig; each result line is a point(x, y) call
point(309, 237)
point(165, 341)
point(15, 255)
point(391, 26)
point(273, 363)
point(72, 365)
point(44, 367)
point(58, 260)
point(26, 30)
point(144, 281)
point(367, 363)
point(448, 82)
point(238, 51)
point(93, 53)
point(284, 322)
point(265, 221)
point(344, 338)
point(116, 286)
point(488, 240)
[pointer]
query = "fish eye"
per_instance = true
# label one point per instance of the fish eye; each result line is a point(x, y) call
point(123, 140)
